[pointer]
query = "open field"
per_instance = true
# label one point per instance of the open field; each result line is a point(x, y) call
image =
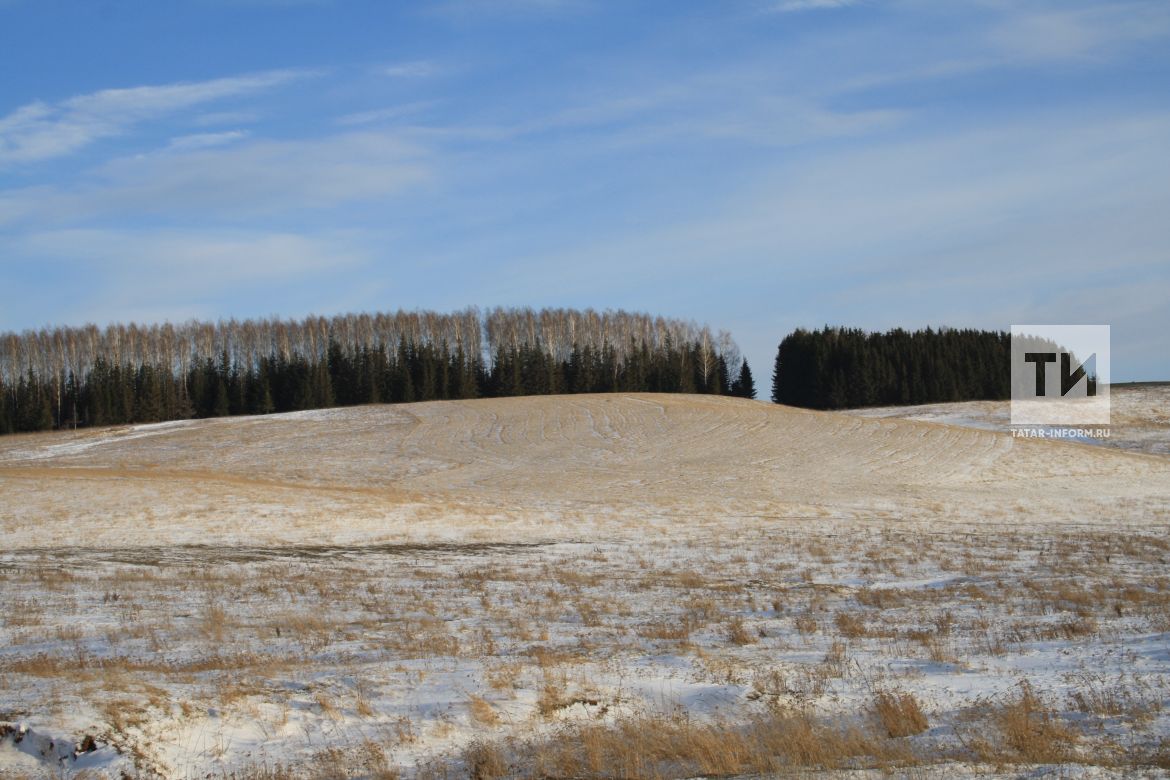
point(626, 585)
point(1139, 416)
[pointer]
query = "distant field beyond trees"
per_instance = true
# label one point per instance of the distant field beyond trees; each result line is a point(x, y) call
point(70, 377)
point(840, 368)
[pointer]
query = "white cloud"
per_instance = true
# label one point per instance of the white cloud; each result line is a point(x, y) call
point(242, 180)
point(1080, 33)
point(728, 105)
point(384, 114)
point(927, 70)
point(415, 69)
point(790, 122)
point(151, 275)
point(273, 3)
point(470, 8)
point(41, 131)
point(205, 140)
point(794, 6)
point(212, 118)
point(952, 41)
point(175, 264)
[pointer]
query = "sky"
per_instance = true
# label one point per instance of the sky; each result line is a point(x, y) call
point(757, 165)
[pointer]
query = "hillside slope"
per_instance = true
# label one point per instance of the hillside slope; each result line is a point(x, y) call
point(403, 590)
point(1139, 416)
point(542, 467)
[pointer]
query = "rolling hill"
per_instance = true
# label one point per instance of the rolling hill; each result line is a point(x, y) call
point(543, 467)
point(689, 585)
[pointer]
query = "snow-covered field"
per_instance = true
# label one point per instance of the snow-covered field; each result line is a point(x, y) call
point(1139, 417)
point(633, 585)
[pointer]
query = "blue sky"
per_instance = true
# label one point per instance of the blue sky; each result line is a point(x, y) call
point(755, 164)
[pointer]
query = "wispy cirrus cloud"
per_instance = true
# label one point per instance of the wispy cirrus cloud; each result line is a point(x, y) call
point(387, 114)
point(189, 255)
point(794, 6)
point(469, 8)
point(41, 131)
point(206, 140)
point(213, 118)
point(266, 177)
point(1080, 32)
point(724, 105)
point(413, 69)
point(227, 176)
point(144, 275)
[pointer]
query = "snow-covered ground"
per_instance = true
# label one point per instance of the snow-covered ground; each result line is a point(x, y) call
point(1139, 417)
point(430, 588)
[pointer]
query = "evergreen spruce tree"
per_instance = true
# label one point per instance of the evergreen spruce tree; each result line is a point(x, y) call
point(837, 367)
point(221, 406)
point(744, 386)
point(779, 396)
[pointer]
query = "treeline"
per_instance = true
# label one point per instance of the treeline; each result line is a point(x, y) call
point(72, 377)
point(839, 368)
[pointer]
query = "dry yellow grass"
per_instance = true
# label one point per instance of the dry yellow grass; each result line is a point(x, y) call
point(408, 471)
point(482, 712)
point(554, 566)
point(900, 714)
